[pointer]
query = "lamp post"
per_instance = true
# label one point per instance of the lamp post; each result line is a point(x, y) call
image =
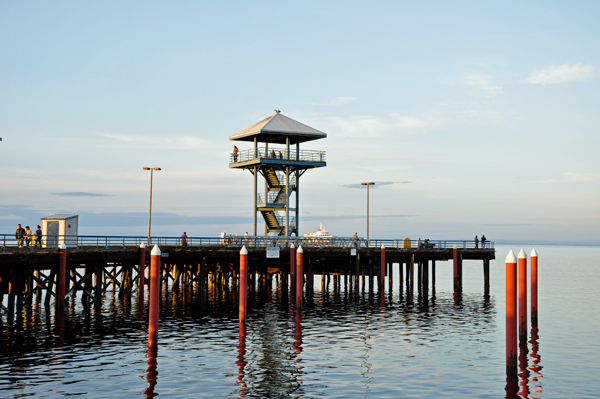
point(150, 211)
point(367, 184)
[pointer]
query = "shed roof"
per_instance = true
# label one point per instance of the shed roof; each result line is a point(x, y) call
point(58, 217)
point(276, 128)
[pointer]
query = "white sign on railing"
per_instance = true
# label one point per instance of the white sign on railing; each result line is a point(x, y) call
point(272, 252)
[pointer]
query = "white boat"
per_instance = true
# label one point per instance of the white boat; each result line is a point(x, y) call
point(320, 233)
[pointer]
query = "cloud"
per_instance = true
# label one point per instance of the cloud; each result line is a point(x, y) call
point(353, 217)
point(338, 101)
point(81, 194)
point(377, 184)
point(10, 217)
point(160, 141)
point(375, 126)
point(482, 82)
point(562, 74)
point(343, 100)
point(574, 178)
point(507, 224)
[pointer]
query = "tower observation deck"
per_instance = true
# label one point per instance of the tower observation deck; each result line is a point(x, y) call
point(277, 157)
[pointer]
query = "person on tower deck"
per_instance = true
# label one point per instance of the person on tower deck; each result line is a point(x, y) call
point(19, 235)
point(476, 242)
point(273, 154)
point(280, 155)
point(483, 240)
point(235, 153)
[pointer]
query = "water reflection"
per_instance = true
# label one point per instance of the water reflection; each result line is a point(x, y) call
point(152, 372)
point(267, 356)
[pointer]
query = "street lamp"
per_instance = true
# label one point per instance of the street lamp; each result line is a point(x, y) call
point(367, 184)
point(150, 211)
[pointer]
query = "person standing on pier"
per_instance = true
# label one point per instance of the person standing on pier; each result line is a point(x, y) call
point(483, 240)
point(476, 242)
point(38, 239)
point(32, 237)
point(27, 236)
point(19, 235)
point(184, 240)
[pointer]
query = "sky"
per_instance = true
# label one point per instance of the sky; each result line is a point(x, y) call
point(471, 117)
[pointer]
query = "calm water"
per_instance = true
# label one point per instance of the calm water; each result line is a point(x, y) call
point(341, 346)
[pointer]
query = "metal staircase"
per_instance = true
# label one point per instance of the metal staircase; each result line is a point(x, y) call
point(275, 200)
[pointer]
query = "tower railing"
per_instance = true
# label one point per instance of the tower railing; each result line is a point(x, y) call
point(278, 153)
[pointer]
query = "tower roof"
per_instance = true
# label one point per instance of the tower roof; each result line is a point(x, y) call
point(276, 128)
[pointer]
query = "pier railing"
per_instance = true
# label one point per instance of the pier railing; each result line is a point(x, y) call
point(53, 241)
point(277, 153)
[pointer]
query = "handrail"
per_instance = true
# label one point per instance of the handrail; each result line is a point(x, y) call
point(53, 241)
point(277, 153)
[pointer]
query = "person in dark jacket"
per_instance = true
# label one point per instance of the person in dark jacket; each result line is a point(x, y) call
point(19, 234)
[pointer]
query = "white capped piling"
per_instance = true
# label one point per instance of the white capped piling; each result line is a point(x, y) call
point(511, 315)
point(243, 308)
point(299, 277)
point(155, 265)
point(522, 296)
point(534, 288)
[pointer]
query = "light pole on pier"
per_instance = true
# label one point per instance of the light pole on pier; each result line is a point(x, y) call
point(150, 210)
point(367, 184)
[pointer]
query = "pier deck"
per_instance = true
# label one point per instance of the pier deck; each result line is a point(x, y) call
point(94, 269)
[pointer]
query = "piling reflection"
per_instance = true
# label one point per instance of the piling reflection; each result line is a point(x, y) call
point(536, 368)
point(241, 359)
point(270, 347)
point(523, 370)
point(151, 371)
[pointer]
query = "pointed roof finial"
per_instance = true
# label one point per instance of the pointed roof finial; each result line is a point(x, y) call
point(277, 111)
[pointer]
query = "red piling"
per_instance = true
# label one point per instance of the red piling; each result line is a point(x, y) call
point(382, 272)
point(142, 272)
point(62, 275)
point(243, 311)
point(534, 288)
point(511, 315)
point(455, 263)
point(299, 277)
point(522, 296)
point(292, 268)
point(154, 296)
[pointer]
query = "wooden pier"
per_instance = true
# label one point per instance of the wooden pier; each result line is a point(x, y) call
point(92, 270)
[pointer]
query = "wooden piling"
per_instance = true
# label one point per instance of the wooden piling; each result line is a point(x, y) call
point(534, 288)
point(522, 296)
point(142, 272)
point(299, 277)
point(243, 308)
point(382, 270)
point(155, 273)
point(62, 271)
point(511, 315)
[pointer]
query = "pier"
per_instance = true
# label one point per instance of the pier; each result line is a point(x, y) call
point(96, 264)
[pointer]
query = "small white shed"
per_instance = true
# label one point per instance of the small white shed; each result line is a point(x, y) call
point(59, 228)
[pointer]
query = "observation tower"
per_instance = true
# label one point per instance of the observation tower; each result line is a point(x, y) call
point(277, 157)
